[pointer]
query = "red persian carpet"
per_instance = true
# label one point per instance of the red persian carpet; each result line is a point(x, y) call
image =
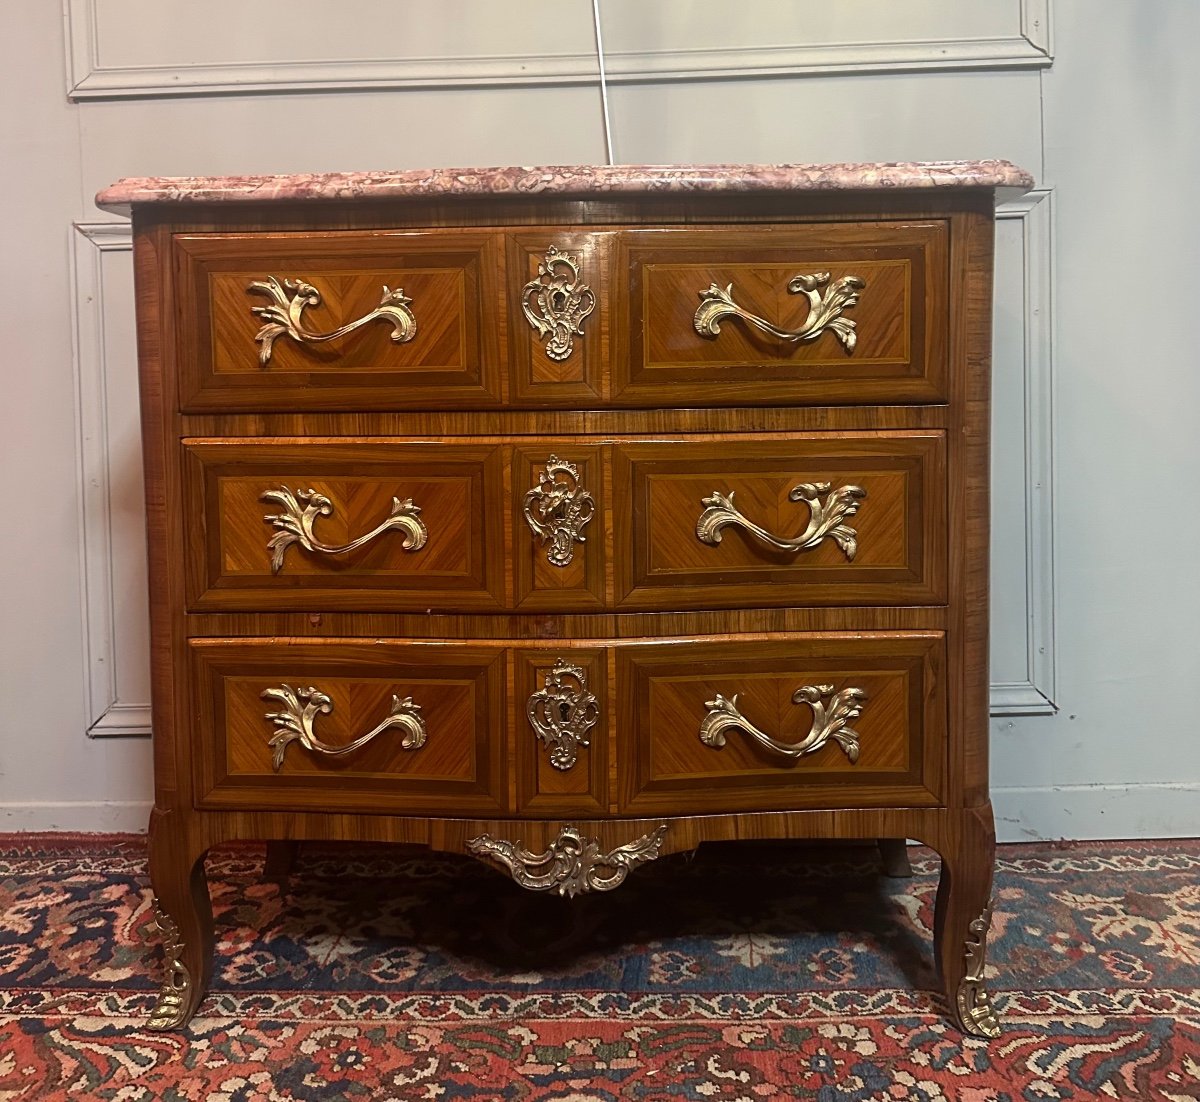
point(735, 976)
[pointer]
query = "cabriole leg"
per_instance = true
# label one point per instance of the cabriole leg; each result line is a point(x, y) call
point(184, 915)
point(962, 917)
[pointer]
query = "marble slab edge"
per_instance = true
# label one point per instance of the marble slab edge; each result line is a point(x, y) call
point(574, 181)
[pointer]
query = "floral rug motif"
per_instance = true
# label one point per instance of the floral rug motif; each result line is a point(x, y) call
point(749, 974)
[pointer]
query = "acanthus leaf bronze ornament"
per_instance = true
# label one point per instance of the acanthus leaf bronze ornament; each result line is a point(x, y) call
point(558, 508)
point(556, 301)
point(562, 713)
point(289, 298)
point(826, 518)
point(824, 310)
point(301, 509)
point(301, 708)
point(975, 1012)
point(572, 863)
point(170, 1008)
point(832, 714)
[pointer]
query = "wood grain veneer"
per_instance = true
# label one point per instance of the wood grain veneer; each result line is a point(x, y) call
point(660, 488)
point(458, 487)
point(460, 769)
point(468, 412)
point(663, 691)
point(901, 317)
point(455, 357)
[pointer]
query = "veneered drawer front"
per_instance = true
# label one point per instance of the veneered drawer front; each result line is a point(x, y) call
point(781, 521)
point(559, 525)
point(862, 311)
point(564, 728)
point(419, 310)
point(332, 524)
point(349, 726)
point(830, 720)
point(560, 299)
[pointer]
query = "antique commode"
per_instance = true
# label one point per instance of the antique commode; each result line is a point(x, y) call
point(569, 517)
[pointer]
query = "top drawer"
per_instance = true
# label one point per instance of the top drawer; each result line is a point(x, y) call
point(803, 314)
point(812, 314)
point(340, 320)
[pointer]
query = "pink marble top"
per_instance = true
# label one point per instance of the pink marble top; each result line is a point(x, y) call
point(562, 180)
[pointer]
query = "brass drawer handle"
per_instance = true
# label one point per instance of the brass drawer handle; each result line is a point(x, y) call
point(824, 309)
point(301, 509)
point(289, 300)
point(301, 708)
point(831, 714)
point(825, 518)
point(558, 508)
point(556, 301)
point(562, 713)
point(572, 863)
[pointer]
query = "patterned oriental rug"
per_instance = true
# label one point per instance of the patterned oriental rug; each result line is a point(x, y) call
point(787, 973)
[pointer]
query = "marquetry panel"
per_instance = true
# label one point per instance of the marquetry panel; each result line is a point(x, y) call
point(580, 377)
point(665, 692)
point(542, 584)
point(453, 359)
point(900, 319)
point(459, 692)
point(457, 488)
point(899, 529)
point(543, 788)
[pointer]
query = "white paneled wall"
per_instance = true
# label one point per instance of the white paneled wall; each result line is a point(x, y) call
point(1092, 634)
point(143, 47)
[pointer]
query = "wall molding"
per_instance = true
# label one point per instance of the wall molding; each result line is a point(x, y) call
point(113, 816)
point(107, 714)
point(1151, 809)
point(1035, 695)
point(1028, 46)
point(1036, 28)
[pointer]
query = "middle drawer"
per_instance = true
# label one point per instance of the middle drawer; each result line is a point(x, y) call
point(566, 524)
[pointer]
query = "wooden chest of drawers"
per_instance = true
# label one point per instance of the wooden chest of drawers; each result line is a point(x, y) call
point(569, 518)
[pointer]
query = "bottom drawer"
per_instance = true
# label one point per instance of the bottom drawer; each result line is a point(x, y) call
point(685, 726)
point(349, 726)
point(806, 721)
